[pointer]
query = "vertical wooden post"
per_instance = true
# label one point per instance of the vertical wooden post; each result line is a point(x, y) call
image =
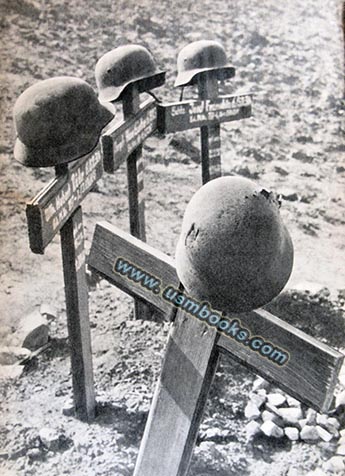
point(77, 307)
point(210, 135)
point(191, 359)
point(135, 177)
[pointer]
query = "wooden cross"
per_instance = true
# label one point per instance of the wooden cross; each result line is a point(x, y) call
point(205, 113)
point(309, 373)
point(57, 209)
point(123, 141)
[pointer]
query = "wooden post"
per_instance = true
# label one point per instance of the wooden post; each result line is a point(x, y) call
point(210, 135)
point(77, 310)
point(135, 177)
point(77, 306)
point(191, 358)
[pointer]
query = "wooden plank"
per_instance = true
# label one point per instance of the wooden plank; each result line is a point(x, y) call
point(210, 135)
point(179, 400)
point(185, 115)
point(309, 374)
point(73, 257)
point(125, 136)
point(52, 207)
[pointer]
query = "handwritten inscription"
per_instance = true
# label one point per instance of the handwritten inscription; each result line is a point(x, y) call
point(132, 137)
point(48, 212)
point(190, 114)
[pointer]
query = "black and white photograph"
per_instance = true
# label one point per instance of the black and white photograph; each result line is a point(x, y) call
point(172, 238)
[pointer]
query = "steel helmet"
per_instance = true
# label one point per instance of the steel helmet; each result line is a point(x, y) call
point(200, 56)
point(57, 120)
point(234, 250)
point(125, 65)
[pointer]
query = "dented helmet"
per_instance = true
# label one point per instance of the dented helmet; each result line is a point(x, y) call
point(57, 120)
point(123, 66)
point(201, 56)
point(234, 250)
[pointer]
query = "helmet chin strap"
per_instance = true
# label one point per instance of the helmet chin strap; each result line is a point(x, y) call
point(181, 94)
point(154, 96)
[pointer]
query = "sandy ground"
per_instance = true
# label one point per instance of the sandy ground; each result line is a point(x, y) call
point(291, 55)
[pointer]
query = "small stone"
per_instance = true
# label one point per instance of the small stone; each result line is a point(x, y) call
point(288, 194)
point(340, 399)
point(324, 434)
point(330, 424)
point(292, 433)
point(276, 399)
point(292, 402)
point(291, 416)
point(32, 331)
point(34, 454)
point(270, 416)
point(309, 433)
point(281, 171)
point(252, 429)
point(302, 422)
point(68, 408)
point(311, 416)
point(251, 411)
point(335, 465)
point(258, 400)
point(49, 438)
point(341, 450)
point(342, 433)
point(271, 429)
point(293, 472)
point(259, 383)
point(262, 392)
point(272, 408)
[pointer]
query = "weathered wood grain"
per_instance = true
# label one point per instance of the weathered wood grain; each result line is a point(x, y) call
point(77, 307)
point(52, 207)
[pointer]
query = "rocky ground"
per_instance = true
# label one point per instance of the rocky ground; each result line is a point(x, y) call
point(289, 53)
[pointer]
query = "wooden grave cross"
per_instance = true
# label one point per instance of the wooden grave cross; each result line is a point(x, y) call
point(123, 141)
point(205, 113)
point(57, 208)
point(299, 364)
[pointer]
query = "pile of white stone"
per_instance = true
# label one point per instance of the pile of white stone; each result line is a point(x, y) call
point(275, 414)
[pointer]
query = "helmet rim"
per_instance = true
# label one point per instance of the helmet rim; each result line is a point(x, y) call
point(185, 78)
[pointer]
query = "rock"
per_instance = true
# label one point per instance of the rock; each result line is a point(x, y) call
point(271, 429)
point(258, 400)
point(311, 416)
point(270, 416)
point(276, 399)
point(291, 416)
point(324, 434)
point(11, 371)
point(288, 194)
point(34, 454)
point(11, 355)
point(309, 433)
point(292, 433)
point(48, 311)
point(335, 465)
point(260, 383)
point(251, 411)
point(329, 423)
point(341, 450)
point(281, 171)
point(252, 429)
point(292, 402)
point(32, 331)
point(49, 438)
point(68, 408)
point(302, 422)
point(311, 288)
point(340, 399)
point(302, 157)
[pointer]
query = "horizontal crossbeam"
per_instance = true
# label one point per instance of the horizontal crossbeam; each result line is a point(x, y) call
point(191, 114)
point(311, 369)
point(52, 207)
